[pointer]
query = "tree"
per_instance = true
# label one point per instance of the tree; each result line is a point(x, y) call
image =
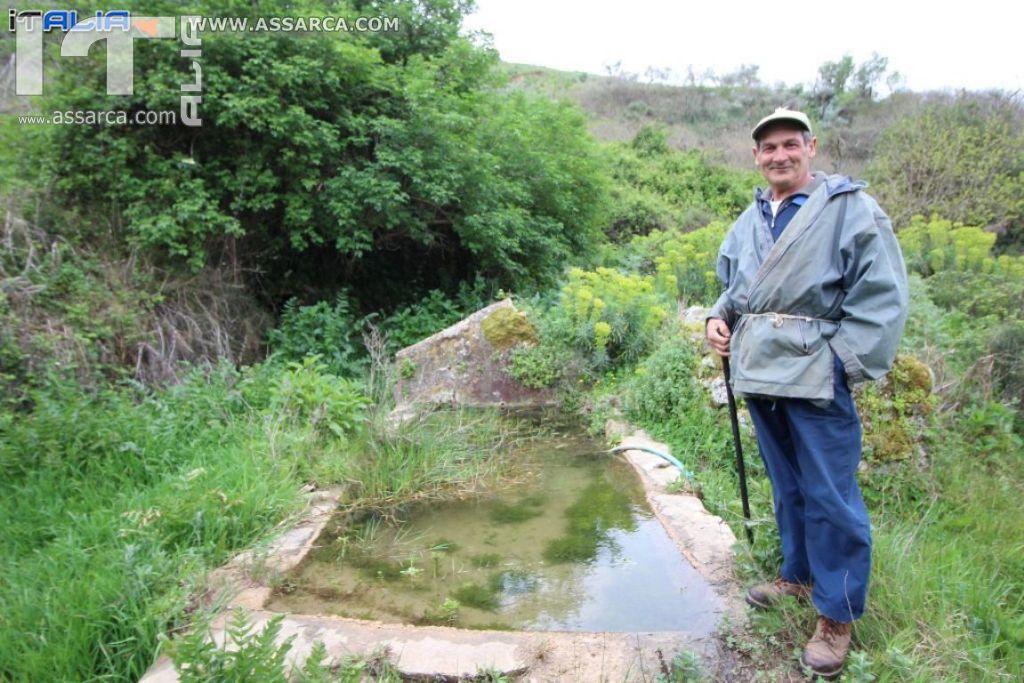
point(961, 158)
point(843, 84)
point(383, 163)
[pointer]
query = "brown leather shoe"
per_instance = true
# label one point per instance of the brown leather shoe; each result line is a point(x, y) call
point(826, 651)
point(765, 595)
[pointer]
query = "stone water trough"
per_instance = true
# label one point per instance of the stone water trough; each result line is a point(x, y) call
point(462, 365)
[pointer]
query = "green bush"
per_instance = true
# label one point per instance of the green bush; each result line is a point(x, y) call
point(358, 159)
point(1005, 345)
point(307, 394)
point(684, 262)
point(979, 295)
point(433, 313)
point(651, 140)
point(655, 186)
point(536, 366)
point(637, 212)
point(665, 386)
point(332, 333)
point(246, 655)
point(960, 157)
point(609, 315)
point(939, 245)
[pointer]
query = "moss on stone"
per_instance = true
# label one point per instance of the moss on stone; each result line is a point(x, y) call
point(910, 383)
point(896, 413)
point(507, 327)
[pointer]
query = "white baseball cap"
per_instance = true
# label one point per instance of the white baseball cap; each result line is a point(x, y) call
point(782, 114)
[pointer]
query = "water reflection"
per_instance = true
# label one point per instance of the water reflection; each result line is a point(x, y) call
point(574, 548)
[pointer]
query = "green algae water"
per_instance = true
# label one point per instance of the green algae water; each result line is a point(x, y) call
point(573, 547)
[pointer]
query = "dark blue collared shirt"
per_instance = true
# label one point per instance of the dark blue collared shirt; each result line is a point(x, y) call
point(790, 205)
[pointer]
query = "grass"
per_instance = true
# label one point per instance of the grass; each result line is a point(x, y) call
point(115, 504)
point(485, 560)
point(947, 598)
point(439, 455)
point(947, 595)
point(521, 511)
point(477, 595)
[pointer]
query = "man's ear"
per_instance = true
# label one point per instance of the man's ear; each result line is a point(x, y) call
point(812, 147)
point(754, 152)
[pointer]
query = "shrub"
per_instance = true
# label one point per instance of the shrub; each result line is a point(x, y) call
point(1005, 344)
point(434, 312)
point(665, 385)
point(978, 295)
point(331, 333)
point(360, 159)
point(937, 245)
point(661, 185)
point(306, 393)
point(535, 366)
point(637, 212)
point(962, 158)
point(610, 315)
point(685, 262)
point(247, 655)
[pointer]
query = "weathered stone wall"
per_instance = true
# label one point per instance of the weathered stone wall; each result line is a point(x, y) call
point(465, 363)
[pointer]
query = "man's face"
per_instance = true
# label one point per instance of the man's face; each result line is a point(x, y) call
point(784, 159)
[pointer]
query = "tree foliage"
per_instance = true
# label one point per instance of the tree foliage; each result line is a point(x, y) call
point(656, 187)
point(386, 162)
point(961, 158)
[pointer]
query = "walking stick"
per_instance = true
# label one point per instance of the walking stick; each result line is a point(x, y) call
point(741, 469)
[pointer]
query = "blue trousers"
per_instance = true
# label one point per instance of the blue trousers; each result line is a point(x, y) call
point(811, 454)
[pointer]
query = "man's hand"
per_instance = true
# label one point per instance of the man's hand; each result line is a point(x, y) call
point(718, 334)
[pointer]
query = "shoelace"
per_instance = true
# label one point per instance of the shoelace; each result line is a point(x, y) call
point(830, 630)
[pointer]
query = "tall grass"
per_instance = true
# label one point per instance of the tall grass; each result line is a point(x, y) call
point(947, 589)
point(947, 595)
point(113, 505)
point(439, 455)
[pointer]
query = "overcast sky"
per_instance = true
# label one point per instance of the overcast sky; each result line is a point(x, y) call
point(937, 44)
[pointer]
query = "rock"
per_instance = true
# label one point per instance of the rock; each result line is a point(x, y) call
point(716, 386)
point(464, 365)
point(896, 412)
point(695, 315)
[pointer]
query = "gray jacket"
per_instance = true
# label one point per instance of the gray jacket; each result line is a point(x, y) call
point(837, 277)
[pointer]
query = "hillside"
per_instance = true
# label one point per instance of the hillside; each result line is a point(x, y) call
point(715, 113)
point(197, 324)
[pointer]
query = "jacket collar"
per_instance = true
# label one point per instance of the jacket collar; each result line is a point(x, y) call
point(817, 178)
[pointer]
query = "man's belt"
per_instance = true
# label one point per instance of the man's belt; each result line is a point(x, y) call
point(778, 318)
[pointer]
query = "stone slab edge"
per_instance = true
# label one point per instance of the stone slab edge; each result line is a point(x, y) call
point(705, 540)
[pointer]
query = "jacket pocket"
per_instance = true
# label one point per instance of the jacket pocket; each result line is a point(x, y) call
point(788, 358)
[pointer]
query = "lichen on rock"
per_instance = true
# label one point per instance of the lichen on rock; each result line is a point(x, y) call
point(897, 411)
point(506, 327)
point(466, 363)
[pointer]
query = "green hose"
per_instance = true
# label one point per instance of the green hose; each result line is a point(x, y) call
point(690, 477)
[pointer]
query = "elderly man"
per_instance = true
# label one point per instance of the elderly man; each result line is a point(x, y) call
point(815, 299)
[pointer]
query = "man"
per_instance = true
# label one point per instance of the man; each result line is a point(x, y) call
point(815, 300)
